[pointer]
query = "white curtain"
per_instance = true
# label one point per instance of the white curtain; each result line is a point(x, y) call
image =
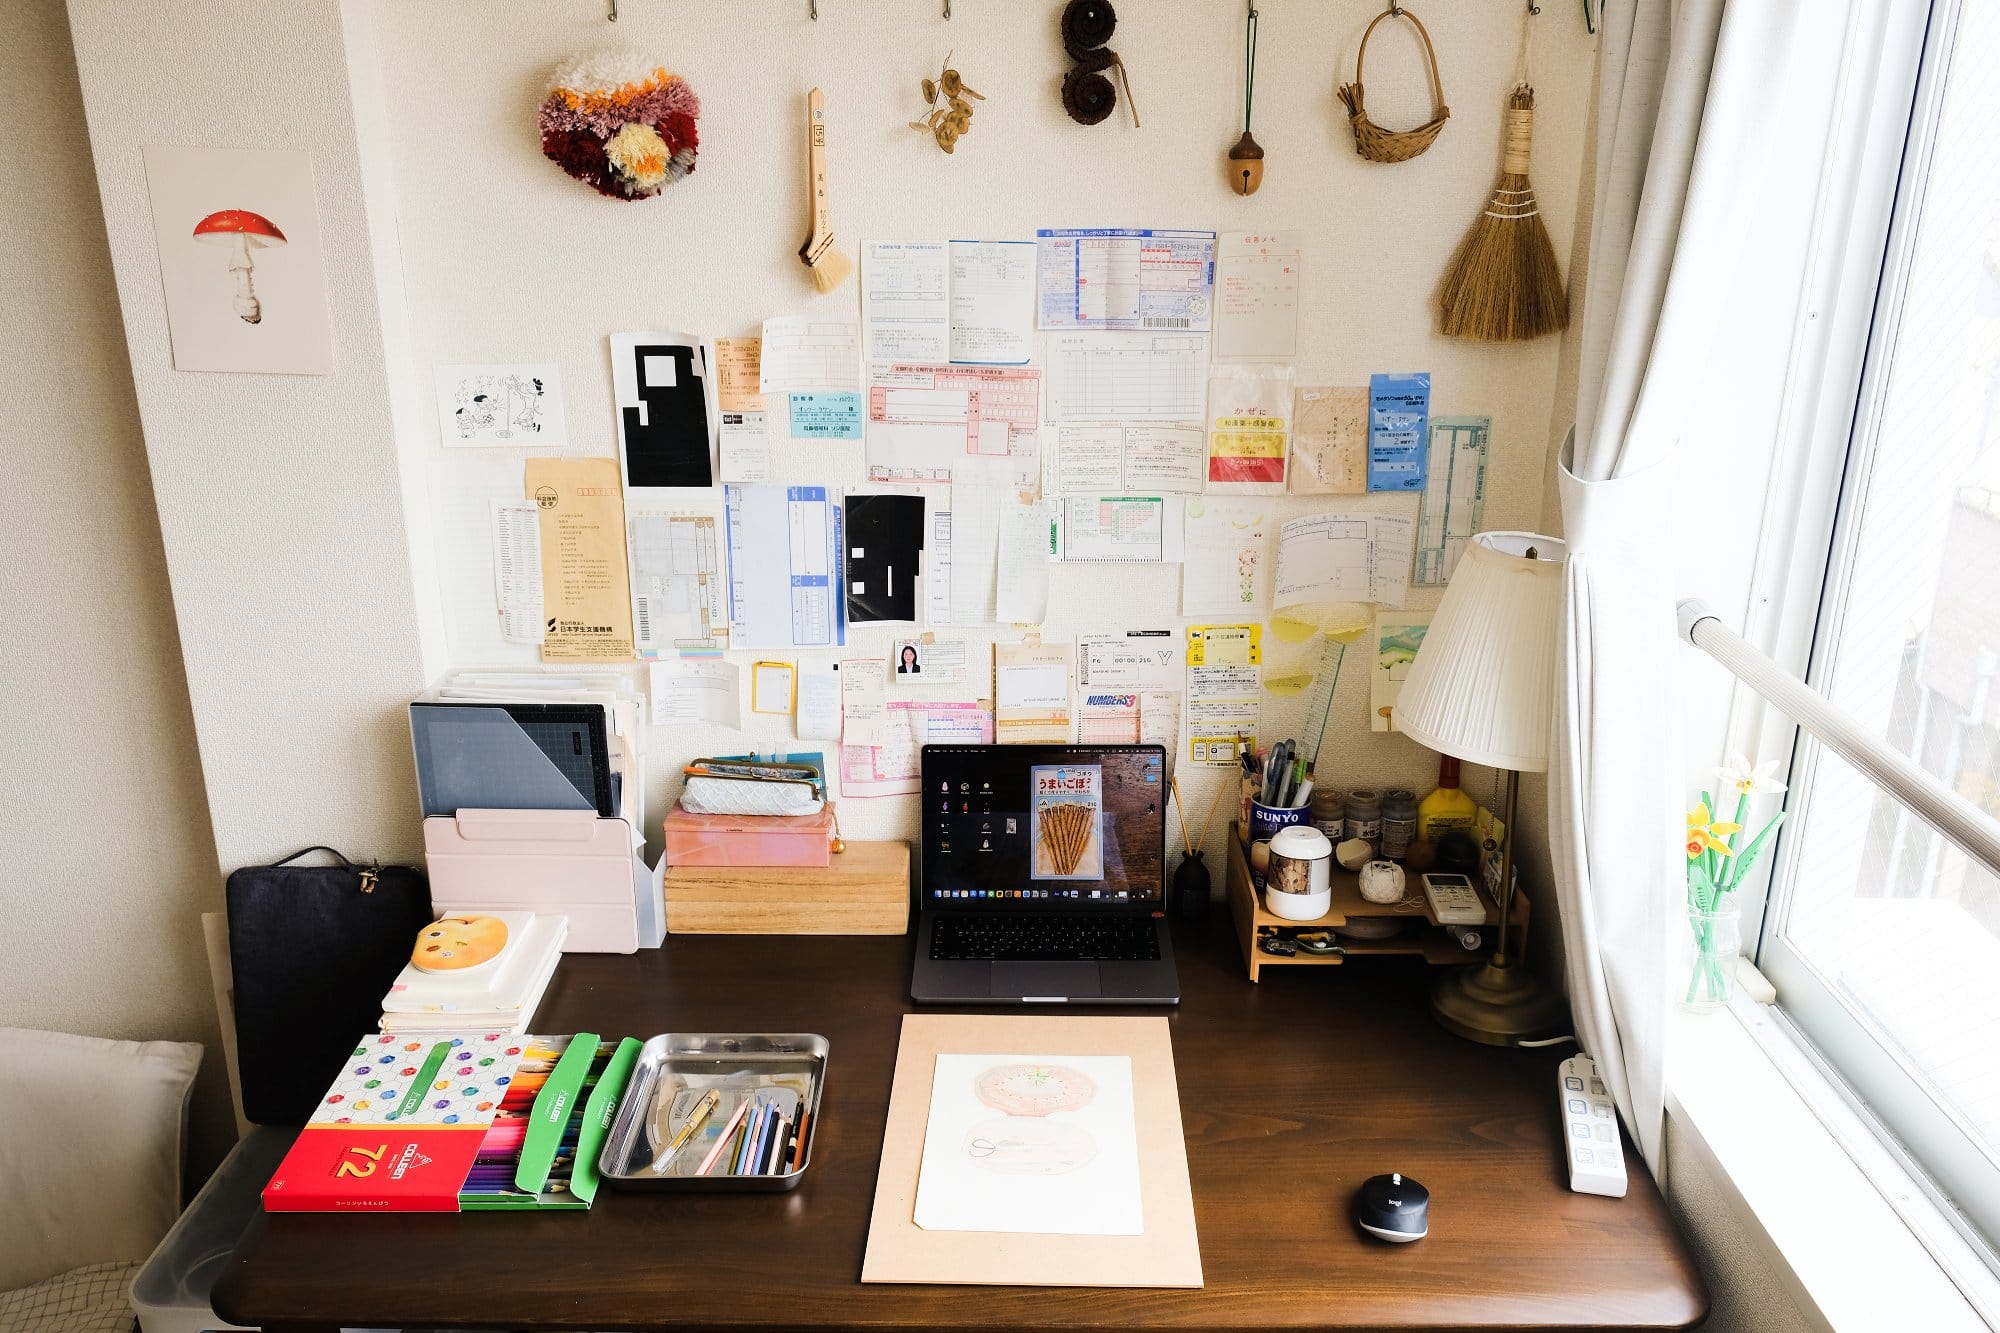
point(1685, 93)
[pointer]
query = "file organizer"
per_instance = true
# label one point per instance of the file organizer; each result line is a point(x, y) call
point(525, 810)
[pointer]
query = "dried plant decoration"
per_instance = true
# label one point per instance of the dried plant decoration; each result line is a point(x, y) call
point(947, 122)
point(1087, 92)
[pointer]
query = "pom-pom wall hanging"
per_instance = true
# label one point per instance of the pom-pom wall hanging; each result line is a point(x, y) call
point(1087, 94)
point(622, 126)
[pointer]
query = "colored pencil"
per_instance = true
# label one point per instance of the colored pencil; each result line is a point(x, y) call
point(728, 1130)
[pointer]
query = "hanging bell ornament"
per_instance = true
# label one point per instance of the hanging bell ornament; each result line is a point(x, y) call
point(1246, 165)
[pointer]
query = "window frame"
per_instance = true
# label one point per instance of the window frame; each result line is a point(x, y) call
point(1898, 60)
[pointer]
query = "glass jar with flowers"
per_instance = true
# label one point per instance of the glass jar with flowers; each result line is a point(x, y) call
point(1717, 862)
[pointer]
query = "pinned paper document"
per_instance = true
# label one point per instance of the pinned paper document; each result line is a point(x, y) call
point(1125, 278)
point(666, 431)
point(784, 567)
point(1257, 295)
point(969, 302)
point(586, 587)
point(1031, 693)
point(676, 581)
point(696, 692)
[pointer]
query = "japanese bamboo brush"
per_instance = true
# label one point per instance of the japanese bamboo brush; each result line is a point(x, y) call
point(1503, 284)
point(828, 266)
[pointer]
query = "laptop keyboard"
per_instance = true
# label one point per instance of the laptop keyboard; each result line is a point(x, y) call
point(1044, 939)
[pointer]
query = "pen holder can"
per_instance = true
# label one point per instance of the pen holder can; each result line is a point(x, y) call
point(785, 1071)
point(1266, 820)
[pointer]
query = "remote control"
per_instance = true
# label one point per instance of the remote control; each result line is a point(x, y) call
point(1590, 1131)
point(1454, 902)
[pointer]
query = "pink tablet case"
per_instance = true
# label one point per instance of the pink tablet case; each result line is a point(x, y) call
point(572, 862)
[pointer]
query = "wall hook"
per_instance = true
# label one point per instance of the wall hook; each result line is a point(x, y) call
point(1533, 8)
point(613, 15)
point(947, 9)
point(812, 8)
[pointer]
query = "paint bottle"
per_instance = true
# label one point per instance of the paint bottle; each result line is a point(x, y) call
point(1446, 810)
point(1399, 823)
point(1329, 813)
point(1364, 816)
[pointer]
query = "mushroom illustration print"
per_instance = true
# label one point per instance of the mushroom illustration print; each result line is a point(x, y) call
point(240, 231)
point(1023, 1141)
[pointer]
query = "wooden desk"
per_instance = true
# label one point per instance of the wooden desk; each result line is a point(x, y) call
point(1293, 1091)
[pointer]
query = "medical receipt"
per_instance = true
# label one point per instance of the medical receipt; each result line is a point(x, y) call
point(1121, 278)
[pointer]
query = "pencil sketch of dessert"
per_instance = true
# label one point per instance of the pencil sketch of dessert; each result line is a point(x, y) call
point(1023, 1140)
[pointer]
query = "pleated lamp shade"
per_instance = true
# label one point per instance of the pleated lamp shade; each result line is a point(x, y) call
point(1483, 686)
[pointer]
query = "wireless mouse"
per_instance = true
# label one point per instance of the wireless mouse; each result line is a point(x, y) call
point(1395, 1208)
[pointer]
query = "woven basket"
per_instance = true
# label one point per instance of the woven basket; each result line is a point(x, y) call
point(1371, 140)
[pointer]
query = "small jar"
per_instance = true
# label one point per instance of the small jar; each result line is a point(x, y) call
point(1399, 823)
point(1364, 816)
point(1329, 813)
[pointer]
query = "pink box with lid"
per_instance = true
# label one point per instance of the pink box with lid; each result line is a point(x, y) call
point(749, 840)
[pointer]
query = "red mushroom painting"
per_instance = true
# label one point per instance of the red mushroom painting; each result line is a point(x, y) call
point(240, 231)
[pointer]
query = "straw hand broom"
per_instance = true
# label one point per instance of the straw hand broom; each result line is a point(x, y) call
point(1503, 285)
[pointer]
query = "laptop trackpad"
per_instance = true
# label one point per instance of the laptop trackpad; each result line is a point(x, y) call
point(1041, 981)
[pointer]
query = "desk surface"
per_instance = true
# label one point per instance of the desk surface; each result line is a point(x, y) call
point(1293, 1091)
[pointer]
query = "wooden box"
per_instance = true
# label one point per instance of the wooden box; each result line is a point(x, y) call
point(1423, 936)
point(865, 891)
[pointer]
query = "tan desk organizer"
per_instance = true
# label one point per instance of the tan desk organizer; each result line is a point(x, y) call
point(865, 891)
point(1424, 938)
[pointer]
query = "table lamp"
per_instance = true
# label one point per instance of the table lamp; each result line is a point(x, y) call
point(1483, 688)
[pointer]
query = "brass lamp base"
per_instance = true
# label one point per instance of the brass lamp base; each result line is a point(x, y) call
point(1495, 1003)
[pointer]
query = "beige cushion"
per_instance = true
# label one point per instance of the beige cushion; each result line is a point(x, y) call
point(84, 1300)
point(90, 1149)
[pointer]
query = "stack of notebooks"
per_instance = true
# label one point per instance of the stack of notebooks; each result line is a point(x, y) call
point(472, 1122)
point(484, 970)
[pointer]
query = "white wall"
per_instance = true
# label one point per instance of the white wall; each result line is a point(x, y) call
point(508, 259)
point(280, 496)
point(106, 859)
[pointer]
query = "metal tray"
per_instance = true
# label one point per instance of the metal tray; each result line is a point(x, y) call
point(679, 1063)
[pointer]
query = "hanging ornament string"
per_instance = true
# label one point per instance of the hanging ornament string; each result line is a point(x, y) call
point(1245, 162)
point(1249, 65)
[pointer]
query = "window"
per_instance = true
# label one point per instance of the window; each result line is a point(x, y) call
point(1882, 937)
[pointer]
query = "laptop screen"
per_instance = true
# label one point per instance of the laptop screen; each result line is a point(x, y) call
point(1044, 826)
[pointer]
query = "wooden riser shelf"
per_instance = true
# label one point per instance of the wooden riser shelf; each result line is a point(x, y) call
point(1424, 938)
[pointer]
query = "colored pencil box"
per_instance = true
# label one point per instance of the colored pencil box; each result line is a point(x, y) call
point(474, 1122)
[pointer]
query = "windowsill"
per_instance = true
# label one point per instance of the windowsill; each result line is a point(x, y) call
point(1850, 1259)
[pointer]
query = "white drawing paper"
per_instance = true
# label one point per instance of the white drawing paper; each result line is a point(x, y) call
point(1031, 1143)
point(1227, 569)
point(240, 259)
point(501, 406)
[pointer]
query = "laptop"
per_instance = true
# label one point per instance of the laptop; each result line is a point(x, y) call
point(1043, 878)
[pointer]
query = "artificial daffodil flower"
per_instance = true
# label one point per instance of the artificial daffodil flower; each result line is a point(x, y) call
point(1706, 835)
point(1740, 777)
